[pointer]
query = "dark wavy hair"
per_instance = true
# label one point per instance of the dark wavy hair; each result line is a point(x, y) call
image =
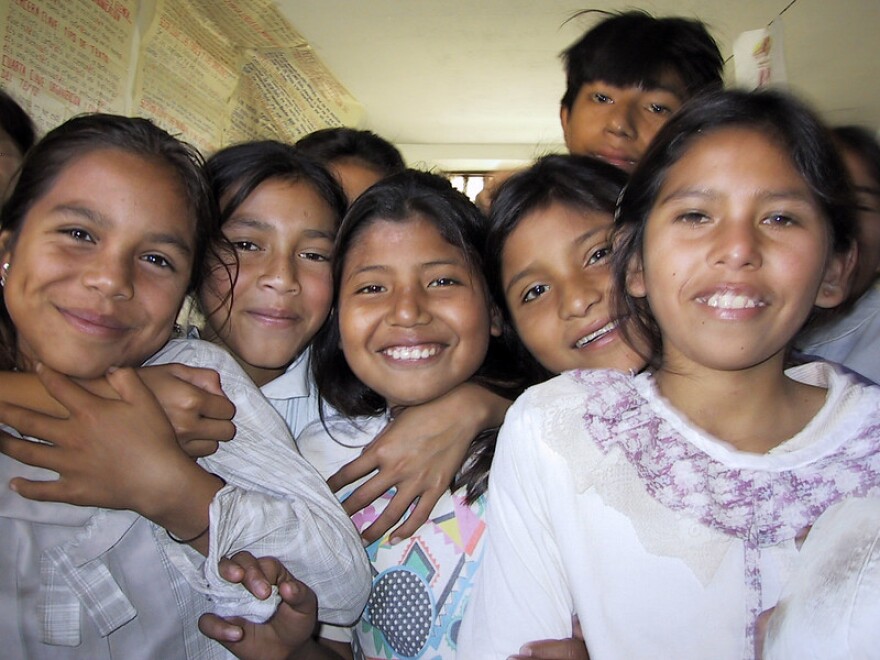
point(400, 198)
point(779, 116)
point(580, 182)
point(635, 49)
point(61, 147)
point(236, 171)
point(17, 123)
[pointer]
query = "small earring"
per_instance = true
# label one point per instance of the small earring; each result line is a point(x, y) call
point(4, 271)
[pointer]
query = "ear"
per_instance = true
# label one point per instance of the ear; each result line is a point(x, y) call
point(5, 245)
point(563, 119)
point(838, 277)
point(635, 278)
point(495, 323)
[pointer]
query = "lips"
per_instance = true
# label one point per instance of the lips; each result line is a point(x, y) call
point(411, 353)
point(596, 334)
point(731, 300)
point(619, 159)
point(273, 316)
point(93, 323)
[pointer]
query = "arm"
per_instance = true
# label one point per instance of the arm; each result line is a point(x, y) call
point(192, 399)
point(100, 464)
point(289, 633)
point(419, 454)
point(273, 495)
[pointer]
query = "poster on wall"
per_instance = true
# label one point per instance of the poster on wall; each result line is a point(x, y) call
point(60, 58)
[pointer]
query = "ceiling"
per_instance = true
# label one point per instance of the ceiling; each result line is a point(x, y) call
point(465, 85)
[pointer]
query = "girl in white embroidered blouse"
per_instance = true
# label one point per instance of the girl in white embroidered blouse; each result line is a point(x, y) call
point(651, 505)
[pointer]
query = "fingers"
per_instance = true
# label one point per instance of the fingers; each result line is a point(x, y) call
point(205, 379)
point(63, 389)
point(555, 649)
point(221, 630)
point(25, 451)
point(351, 472)
point(257, 575)
point(200, 448)
point(419, 516)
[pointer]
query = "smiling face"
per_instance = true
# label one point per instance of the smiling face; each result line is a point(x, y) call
point(615, 124)
point(283, 235)
point(557, 285)
point(413, 315)
point(100, 266)
point(736, 252)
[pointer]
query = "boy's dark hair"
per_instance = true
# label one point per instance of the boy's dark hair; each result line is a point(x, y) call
point(635, 49)
point(401, 198)
point(334, 144)
point(580, 182)
point(61, 147)
point(17, 123)
point(863, 144)
point(779, 116)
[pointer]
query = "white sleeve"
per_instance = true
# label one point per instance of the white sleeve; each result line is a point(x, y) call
point(521, 593)
point(274, 504)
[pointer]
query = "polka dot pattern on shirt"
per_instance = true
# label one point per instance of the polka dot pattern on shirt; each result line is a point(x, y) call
point(400, 606)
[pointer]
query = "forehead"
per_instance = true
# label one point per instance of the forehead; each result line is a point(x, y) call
point(137, 193)
point(555, 223)
point(640, 79)
point(415, 239)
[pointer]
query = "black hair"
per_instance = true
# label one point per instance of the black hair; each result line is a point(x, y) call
point(862, 143)
point(61, 147)
point(401, 198)
point(779, 116)
point(635, 49)
point(581, 182)
point(17, 123)
point(236, 171)
point(328, 145)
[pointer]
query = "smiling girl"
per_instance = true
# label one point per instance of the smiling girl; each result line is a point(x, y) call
point(663, 508)
point(111, 534)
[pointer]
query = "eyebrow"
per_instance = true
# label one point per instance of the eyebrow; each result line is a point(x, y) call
point(262, 225)
point(103, 222)
point(370, 268)
point(708, 193)
point(583, 238)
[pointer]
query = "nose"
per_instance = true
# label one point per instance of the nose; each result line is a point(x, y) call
point(280, 274)
point(620, 120)
point(737, 245)
point(112, 275)
point(578, 296)
point(408, 308)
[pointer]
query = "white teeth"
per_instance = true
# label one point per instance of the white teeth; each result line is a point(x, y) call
point(583, 341)
point(730, 300)
point(410, 353)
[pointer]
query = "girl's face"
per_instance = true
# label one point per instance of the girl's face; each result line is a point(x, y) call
point(736, 252)
point(557, 284)
point(101, 265)
point(283, 234)
point(413, 315)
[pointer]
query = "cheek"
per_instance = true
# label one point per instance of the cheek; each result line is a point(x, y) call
point(318, 292)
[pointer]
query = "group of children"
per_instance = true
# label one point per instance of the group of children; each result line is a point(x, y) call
point(650, 490)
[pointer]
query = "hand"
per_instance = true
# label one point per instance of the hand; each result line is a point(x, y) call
point(573, 648)
point(117, 452)
point(491, 183)
point(195, 405)
point(287, 634)
point(419, 453)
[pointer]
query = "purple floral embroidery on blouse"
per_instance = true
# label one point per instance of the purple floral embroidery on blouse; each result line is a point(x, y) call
point(760, 507)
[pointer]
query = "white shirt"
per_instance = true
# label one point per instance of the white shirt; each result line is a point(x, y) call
point(86, 582)
point(294, 394)
point(852, 340)
point(666, 542)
